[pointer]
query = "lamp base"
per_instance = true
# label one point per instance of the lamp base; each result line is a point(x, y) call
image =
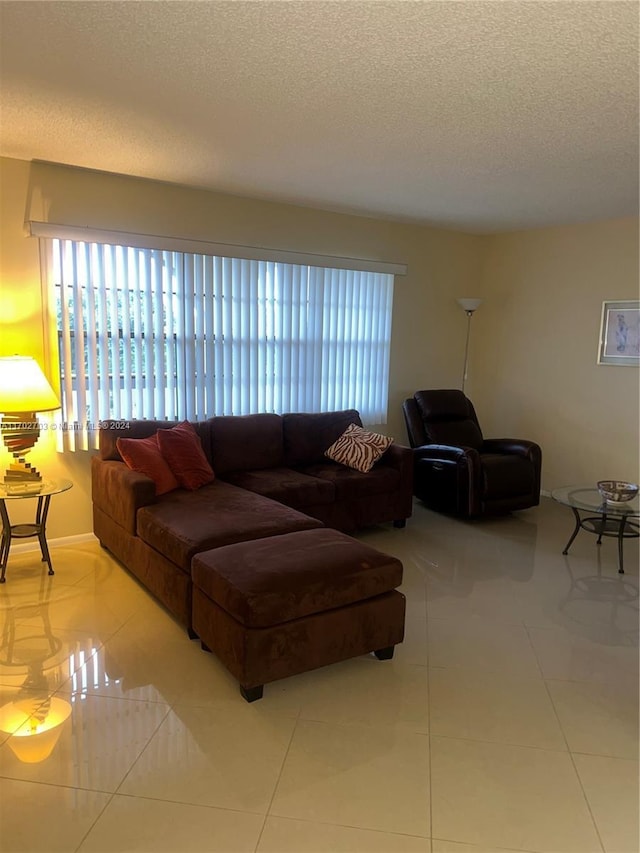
point(23, 488)
point(17, 475)
point(20, 431)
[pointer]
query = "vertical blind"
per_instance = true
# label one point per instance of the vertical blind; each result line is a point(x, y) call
point(147, 333)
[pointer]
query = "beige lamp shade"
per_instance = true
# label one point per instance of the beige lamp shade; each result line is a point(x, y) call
point(24, 387)
point(24, 390)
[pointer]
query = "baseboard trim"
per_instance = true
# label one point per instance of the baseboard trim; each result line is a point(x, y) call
point(545, 492)
point(61, 542)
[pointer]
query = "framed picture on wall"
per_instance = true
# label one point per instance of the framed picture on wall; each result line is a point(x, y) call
point(620, 333)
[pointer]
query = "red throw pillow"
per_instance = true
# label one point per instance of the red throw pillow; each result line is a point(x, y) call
point(182, 450)
point(143, 455)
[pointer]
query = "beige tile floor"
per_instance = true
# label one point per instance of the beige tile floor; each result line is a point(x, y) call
point(507, 721)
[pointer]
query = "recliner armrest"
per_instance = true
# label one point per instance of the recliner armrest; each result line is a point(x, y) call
point(450, 472)
point(519, 446)
point(446, 453)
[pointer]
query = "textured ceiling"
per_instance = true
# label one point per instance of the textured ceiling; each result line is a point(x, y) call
point(481, 116)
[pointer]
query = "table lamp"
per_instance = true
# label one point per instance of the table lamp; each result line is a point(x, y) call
point(24, 390)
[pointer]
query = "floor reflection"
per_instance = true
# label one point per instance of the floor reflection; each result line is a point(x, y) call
point(35, 662)
point(513, 695)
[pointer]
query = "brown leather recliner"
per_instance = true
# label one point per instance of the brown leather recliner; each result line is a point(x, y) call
point(456, 470)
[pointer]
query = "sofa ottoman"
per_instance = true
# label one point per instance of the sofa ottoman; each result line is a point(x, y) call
point(271, 608)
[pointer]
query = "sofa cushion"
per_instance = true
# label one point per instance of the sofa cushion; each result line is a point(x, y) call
point(358, 448)
point(307, 436)
point(271, 581)
point(350, 484)
point(144, 456)
point(285, 485)
point(111, 430)
point(181, 523)
point(182, 450)
point(246, 442)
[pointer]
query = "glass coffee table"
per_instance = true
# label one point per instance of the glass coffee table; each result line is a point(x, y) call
point(603, 518)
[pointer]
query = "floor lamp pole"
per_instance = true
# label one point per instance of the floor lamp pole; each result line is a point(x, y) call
point(466, 350)
point(469, 305)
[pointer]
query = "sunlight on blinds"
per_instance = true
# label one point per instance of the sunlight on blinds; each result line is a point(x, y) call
point(147, 333)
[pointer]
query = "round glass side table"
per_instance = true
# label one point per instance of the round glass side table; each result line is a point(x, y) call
point(44, 493)
point(603, 518)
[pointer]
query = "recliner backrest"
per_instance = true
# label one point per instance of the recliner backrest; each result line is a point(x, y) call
point(449, 418)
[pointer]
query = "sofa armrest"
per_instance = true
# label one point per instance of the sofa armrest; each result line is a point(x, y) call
point(120, 492)
point(398, 456)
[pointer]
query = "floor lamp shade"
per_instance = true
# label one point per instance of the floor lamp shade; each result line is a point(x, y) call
point(24, 390)
point(469, 304)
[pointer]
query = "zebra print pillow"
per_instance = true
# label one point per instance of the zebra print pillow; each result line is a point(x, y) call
point(358, 448)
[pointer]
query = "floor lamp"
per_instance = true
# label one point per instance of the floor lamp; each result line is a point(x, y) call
point(469, 305)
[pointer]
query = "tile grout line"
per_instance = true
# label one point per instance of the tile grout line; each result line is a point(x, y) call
point(144, 749)
point(275, 787)
point(429, 737)
point(569, 751)
point(91, 828)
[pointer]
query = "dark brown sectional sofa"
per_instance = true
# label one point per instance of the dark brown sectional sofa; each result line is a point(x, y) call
point(272, 478)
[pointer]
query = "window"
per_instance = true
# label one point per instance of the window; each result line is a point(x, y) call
point(151, 333)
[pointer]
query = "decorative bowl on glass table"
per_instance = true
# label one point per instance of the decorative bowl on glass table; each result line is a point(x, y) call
point(617, 491)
